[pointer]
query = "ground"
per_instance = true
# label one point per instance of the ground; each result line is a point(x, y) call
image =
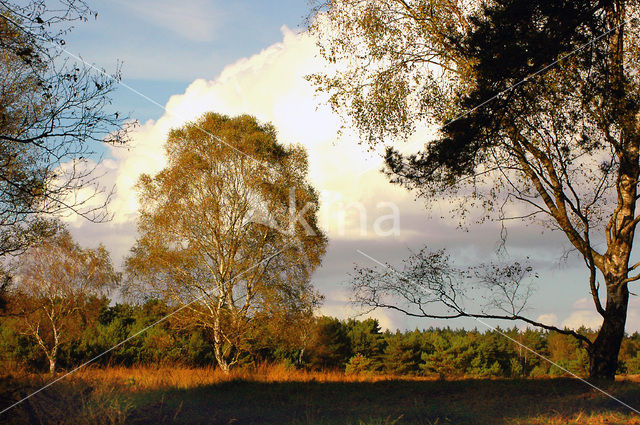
point(277, 396)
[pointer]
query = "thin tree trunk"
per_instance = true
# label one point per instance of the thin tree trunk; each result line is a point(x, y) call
point(52, 361)
point(222, 362)
point(603, 354)
point(217, 346)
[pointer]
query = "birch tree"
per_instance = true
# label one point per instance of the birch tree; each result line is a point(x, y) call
point(55, 114)
point(52, 284)
point(228, 230)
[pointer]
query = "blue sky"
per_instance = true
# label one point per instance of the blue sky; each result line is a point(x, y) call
point(164, 45)
point(251, 57)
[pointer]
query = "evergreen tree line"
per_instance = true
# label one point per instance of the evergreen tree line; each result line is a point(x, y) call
point(320, 343)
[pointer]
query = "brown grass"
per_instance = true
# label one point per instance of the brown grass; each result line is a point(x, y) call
point(144, 378)
point(277, 394)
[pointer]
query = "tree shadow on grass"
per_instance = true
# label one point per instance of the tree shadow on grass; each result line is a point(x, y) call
point(385, 402)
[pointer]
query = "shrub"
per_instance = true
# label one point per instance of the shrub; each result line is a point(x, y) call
point(359, 364)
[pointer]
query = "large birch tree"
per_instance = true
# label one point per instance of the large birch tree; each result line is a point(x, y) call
point(228, 230)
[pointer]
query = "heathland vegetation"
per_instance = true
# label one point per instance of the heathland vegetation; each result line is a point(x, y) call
point(213, 317)
point(324, 371)
point(322, 343)
point(277, 395)
point(348, 372)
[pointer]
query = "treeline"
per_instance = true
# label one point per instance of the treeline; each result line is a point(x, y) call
point(355, 346)
point(361, 347)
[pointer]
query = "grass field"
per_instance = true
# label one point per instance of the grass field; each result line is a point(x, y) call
point(278, 396)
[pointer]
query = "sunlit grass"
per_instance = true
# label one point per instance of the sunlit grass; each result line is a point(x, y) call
point(154, 378)
point(278, 394)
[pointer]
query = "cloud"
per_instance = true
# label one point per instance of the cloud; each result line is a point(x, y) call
point(583, 304)
point(587, 318)
point(355, 196)
point(117, 237)
point(548, 319)
point(584, 314)
point(272, 86)
point(356, 199)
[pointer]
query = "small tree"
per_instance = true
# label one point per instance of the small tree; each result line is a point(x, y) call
point(53, 282)
point(228, 230)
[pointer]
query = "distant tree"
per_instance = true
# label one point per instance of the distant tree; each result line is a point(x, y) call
point(452, 354)
point(630, 351)
point(228, 230)
point(533, 102)
point(359, 364)
point(494, 355)
point(366, 337)
point(5, 281)
point(161, 344)
point(568, 354)
point(53, 284)
point(403, 353)
point(54, 112)
point(535, 340)
point(330, 347)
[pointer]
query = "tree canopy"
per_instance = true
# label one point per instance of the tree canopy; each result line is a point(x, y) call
point(54, 113)
point(53, 283)
point(228, 230)
point(533, 103)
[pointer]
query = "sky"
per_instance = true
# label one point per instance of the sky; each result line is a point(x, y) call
point(181, 59)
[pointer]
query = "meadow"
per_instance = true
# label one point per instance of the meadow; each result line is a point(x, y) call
point(278, 395)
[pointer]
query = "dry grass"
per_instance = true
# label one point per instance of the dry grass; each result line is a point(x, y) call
point(145, 378)
point(580, 418)
point(277, 394)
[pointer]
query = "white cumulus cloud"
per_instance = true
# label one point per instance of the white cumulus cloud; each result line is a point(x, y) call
point(355, 197)
point(272, 86)
point(548, 319)
point(587, 318)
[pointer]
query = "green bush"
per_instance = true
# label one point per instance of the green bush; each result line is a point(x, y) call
point(359, 365)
